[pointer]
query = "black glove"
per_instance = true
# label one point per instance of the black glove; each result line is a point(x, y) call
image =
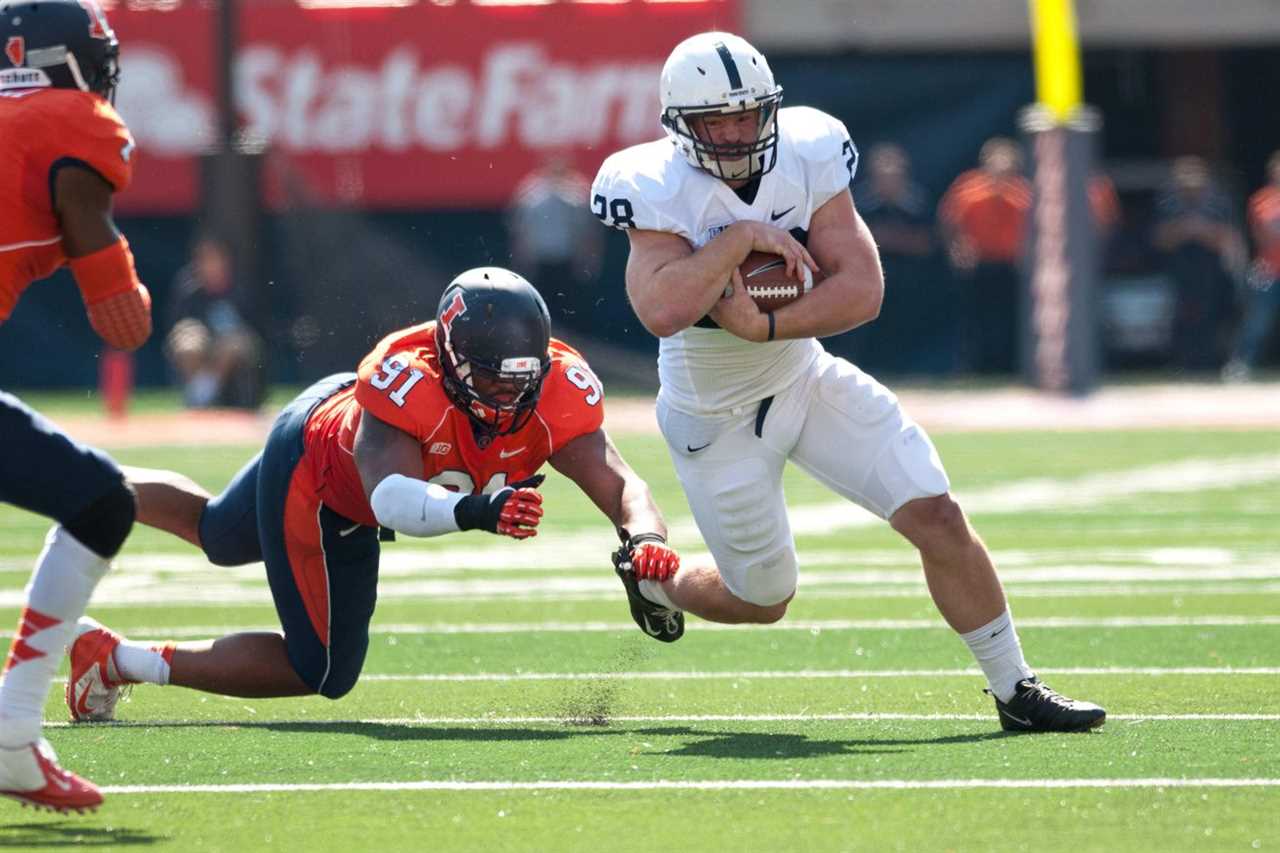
point(514, 511)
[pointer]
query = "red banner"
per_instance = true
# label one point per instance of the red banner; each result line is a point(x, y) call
point(424, 105)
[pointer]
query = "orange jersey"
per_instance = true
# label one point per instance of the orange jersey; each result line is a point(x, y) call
point(990, 212)
point(1264, 222)
point(41, 129)
point(400, 383)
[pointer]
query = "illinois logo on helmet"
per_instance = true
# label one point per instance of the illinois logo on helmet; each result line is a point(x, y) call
point(16, 50)
point(65, 44)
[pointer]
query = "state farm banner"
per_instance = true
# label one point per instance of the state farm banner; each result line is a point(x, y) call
point(420, 105)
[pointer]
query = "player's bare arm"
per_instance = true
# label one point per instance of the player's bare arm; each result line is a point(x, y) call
point(82, 199)
point(118, 304)
point(381, 450)
point(671, 286)
point(390, 464)
point(598, 468)
point(851, 292)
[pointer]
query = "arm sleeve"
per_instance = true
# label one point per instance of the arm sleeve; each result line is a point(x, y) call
point(415, 507)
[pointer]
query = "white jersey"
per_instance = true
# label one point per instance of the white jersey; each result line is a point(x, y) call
point(653, 187)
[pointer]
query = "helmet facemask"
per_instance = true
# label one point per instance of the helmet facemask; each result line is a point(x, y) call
point(736, 161)
point(108, 77)
point(102, 80)
point(498, 398)
point(493, 338)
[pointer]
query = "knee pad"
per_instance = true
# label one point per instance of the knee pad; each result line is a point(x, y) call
point(103, 526)
point(749, 522)
point(771, 580)
point(908, 469)
point(758, 564)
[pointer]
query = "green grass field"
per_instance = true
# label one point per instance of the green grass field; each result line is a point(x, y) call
point(509, 703)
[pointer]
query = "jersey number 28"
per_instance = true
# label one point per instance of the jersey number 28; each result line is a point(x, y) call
point(618, 210)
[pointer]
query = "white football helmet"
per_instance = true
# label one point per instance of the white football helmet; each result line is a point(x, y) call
point(720, 74)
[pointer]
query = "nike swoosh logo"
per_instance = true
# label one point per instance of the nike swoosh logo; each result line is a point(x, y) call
point(352, 529)
point(648, 628)
point(995, 634)
point(696, 449)
point(1020, 720)
point(774, 217)
point(50, 774)
point(504, 454)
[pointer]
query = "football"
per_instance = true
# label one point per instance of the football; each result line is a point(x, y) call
point(767, 282)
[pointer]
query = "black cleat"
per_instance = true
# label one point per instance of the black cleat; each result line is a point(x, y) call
point(655, 620)
point(1035, 707)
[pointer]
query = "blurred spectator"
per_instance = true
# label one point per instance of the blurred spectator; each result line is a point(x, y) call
point(1263, 295)
point(555, 241)
point(1104, 205)
point(1201, 249)
point(984, 216)
point(915, 329)
point(214, 351)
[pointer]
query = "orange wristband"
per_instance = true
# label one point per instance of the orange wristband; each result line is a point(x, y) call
point(106, 272)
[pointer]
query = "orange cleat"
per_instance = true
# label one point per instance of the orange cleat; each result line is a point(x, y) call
point(30, 774)
point(93, 687)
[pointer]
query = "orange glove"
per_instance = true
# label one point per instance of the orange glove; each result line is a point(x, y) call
point(514, 511)
point(520, 514)
point(651, 557)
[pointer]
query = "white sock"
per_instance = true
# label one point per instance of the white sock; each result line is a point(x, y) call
point(141, 662)
point(653, 591)
point(996, 647)
point(64, 578)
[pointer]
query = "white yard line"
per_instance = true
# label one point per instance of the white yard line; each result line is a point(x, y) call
point(708, 785)
point(158, 579)
point(211, 587)
point(566, 720)
point(819, 674)
point(809, 674)
point(1043, 494)
point(804, 625)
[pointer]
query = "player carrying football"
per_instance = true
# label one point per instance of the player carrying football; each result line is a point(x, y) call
point(743, 391)
point(443, 429)
point(63, 152)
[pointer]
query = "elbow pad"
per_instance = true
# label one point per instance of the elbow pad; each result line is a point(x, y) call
point(414, 507)
point(118, 304)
